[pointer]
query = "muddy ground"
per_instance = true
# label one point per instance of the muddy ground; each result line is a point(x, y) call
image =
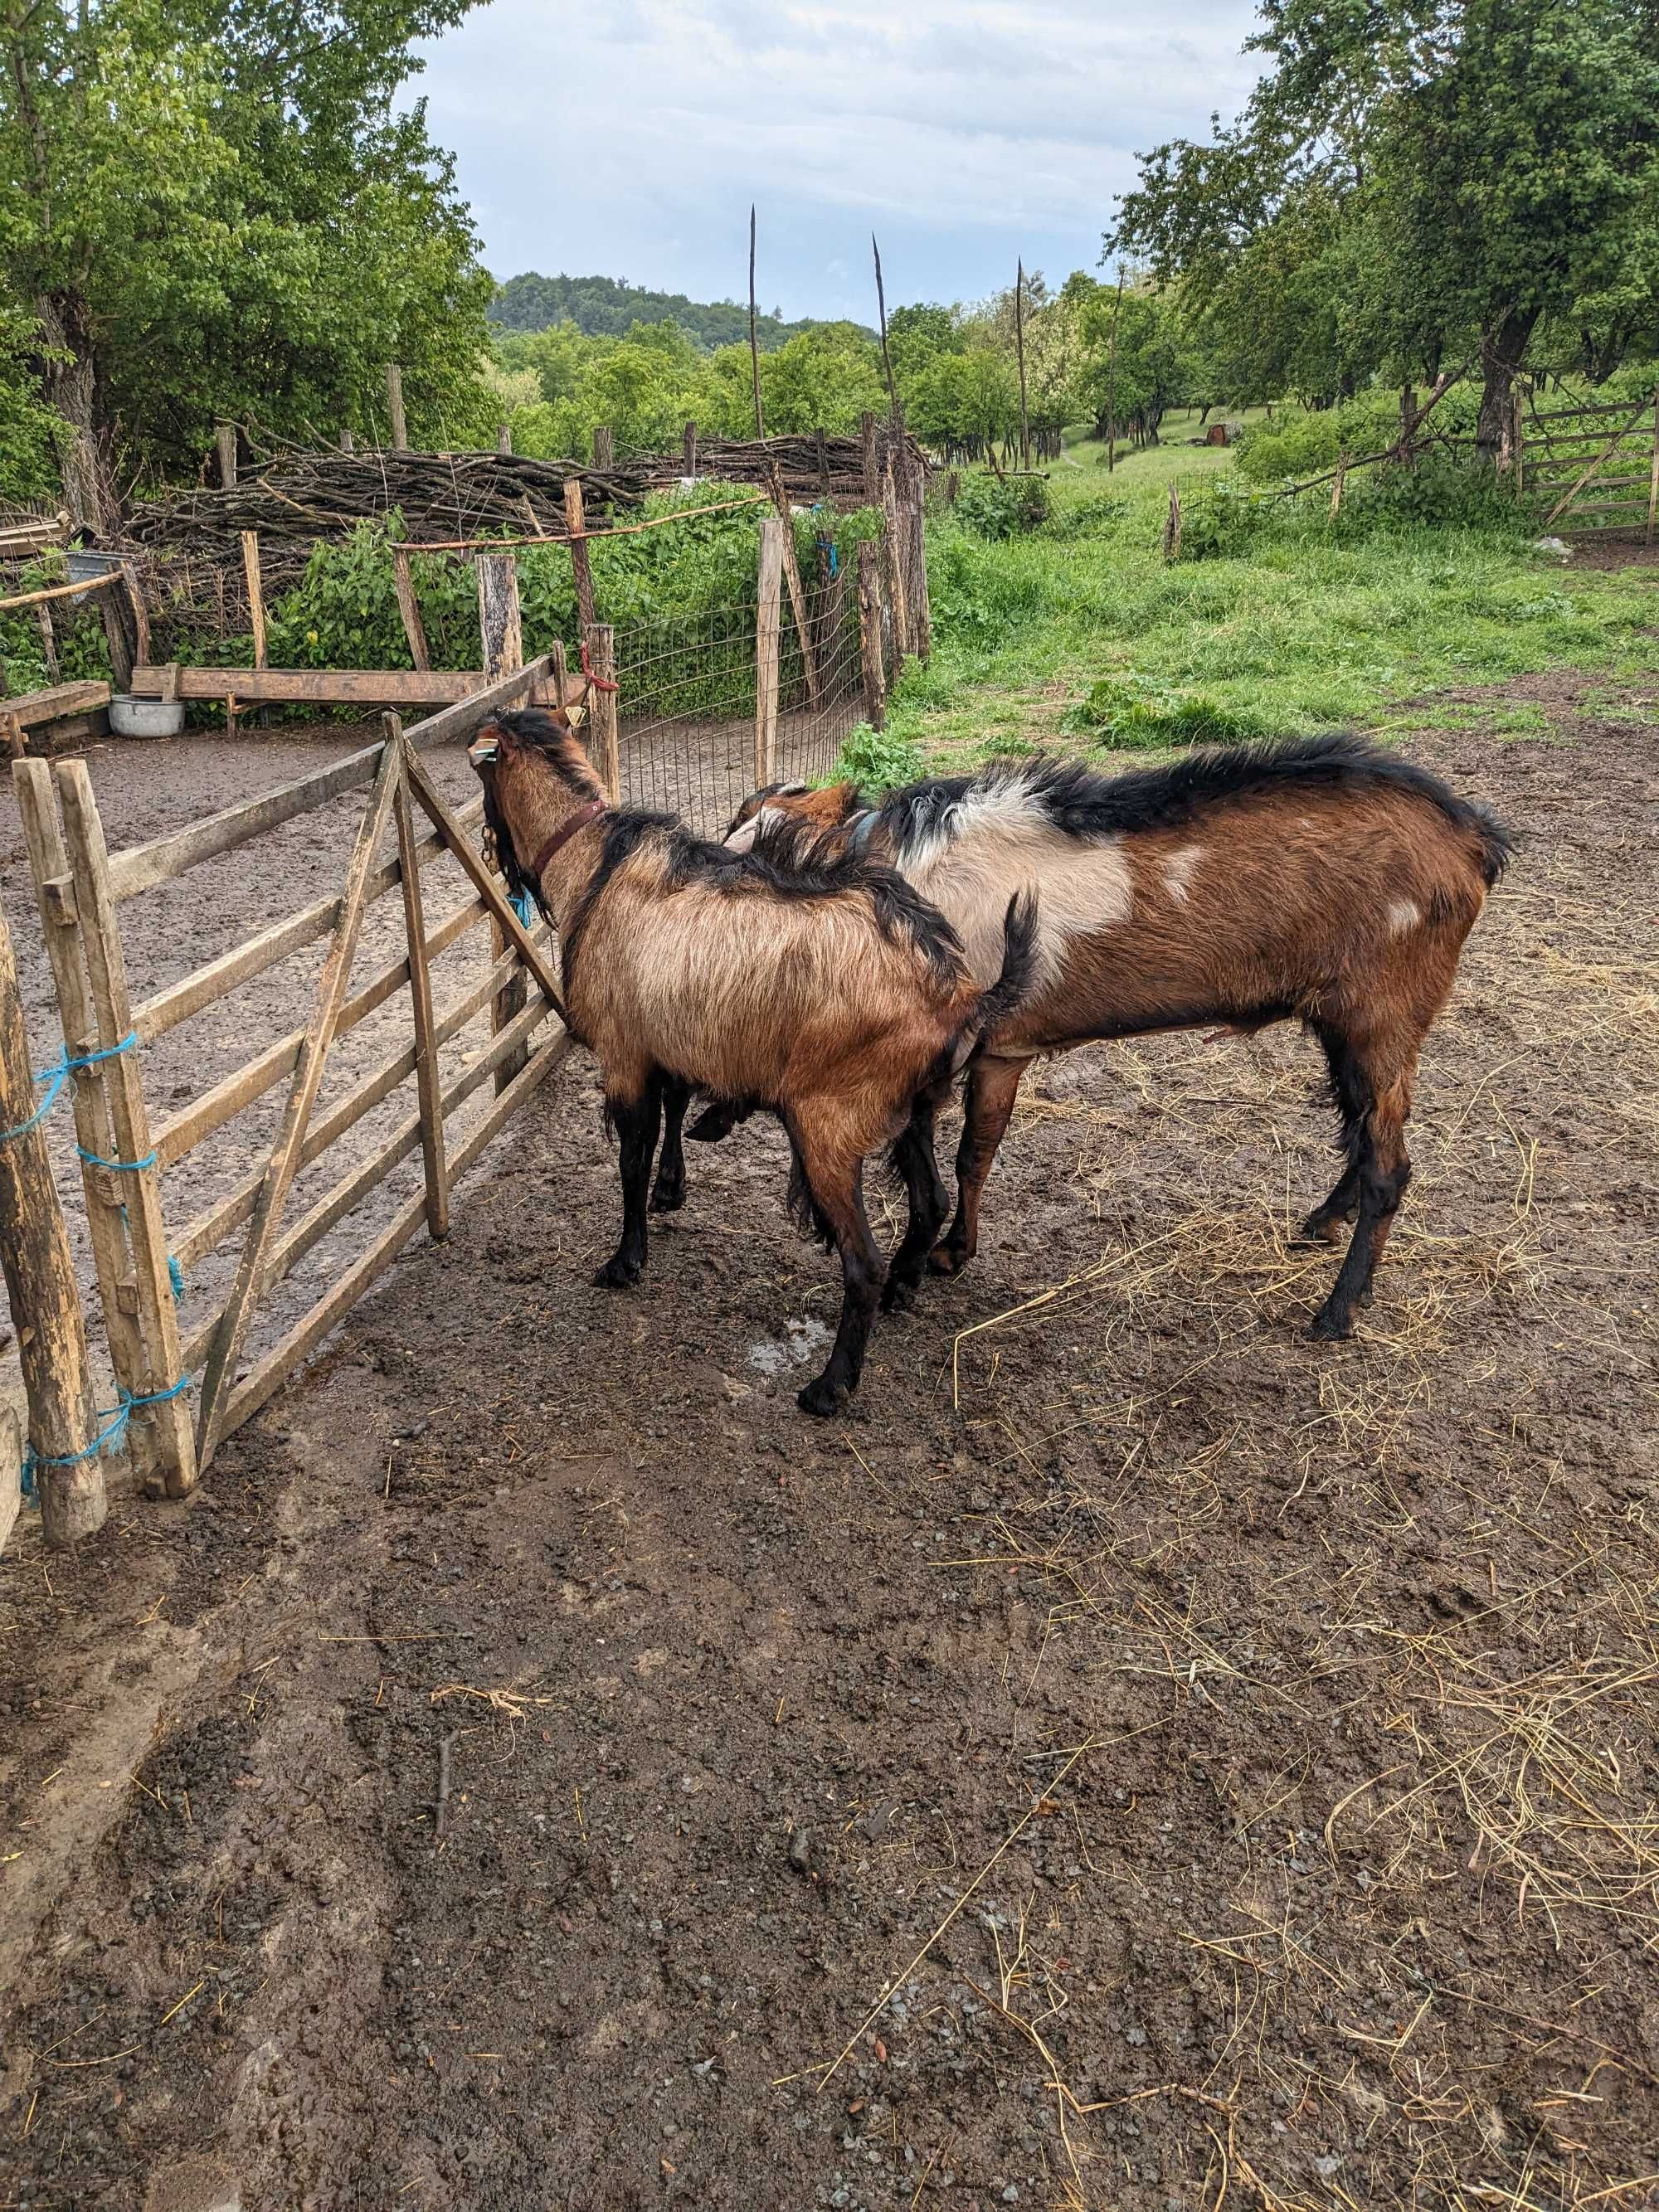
point(520, 1774)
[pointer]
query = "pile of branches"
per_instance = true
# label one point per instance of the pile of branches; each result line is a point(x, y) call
point(305, 497)
point(831, 470)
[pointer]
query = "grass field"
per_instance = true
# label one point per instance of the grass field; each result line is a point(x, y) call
point(1307, 628)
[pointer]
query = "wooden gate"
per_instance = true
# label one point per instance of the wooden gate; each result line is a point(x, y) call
point(1593, 468)
point(185, 1386)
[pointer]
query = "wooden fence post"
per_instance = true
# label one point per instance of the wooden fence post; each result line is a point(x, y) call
point(504, 438)
point(394, 400)
point(256, 596)
point(409, 607)
point(140, 1185)
point(894, 545)
point(48, 641)
point(499, 621)
point(605, 450)
point(600, 641)
point(224, 439)
point(870, 453)
point(1172, 525)
point(576, 523)
point(689, 449)
point(348, 442)
point(429, 1076)
point(792, 574)
point(55, 892)
point(768, 626)
point(870, 638)
point(921, 601)
point(1653, 479)
point(46, 1305)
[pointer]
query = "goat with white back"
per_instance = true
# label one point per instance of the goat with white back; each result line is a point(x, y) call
point(824, 989)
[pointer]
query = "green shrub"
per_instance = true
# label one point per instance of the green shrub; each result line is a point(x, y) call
point(1002, 507)
point(1123, 711)
point(877, 760)
point(1097, 516)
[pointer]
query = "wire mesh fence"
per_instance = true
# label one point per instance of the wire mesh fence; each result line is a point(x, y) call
point(687, 739)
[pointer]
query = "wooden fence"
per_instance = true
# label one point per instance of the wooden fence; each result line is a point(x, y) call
point(1593, 468)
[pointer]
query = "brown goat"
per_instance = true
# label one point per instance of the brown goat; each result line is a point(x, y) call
point(1323, 881)
point(827, 990)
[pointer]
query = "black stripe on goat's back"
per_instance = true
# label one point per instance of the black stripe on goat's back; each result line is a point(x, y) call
point(1084, 803)
point(788, 862)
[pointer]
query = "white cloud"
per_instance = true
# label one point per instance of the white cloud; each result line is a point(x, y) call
point(630, 139)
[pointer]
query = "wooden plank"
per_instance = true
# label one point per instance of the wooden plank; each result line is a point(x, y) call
point(499, 622)
point(1653, 480)
point(606, 741)
point(142, 866)
point(1567, 498)
point(1572, 414)
point(59, 592)
point(208, 1230)
point(45, 1302)
point(332, 687)
point(256, 597)
point(483, 883)
point(575, 524)
point(427, 1075)
point(394, 400)
point(105, 1224)
point(221, 1365)
point(31, 708)
point(870, 652)
point(792, 577)
point(141, 1186)
point(307, 1334)
point(409, 607)
point(193, 1124)
point(768, 624)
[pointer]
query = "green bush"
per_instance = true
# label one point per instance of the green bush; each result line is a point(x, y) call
point(1002, 507)
point(1125, 711)
point(877, 760)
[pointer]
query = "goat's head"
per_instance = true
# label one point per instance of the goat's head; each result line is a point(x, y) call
point(520, 757)
point(815, 811)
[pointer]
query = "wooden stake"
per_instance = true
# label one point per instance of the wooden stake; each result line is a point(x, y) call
point(792, 573)
point(605, 743)
point(893, 541)
point(48, 643)
point(429, 1076)
point(869, 446)
point(688, 448)
point(256, 597)
point(409, 607)
point(754, 342)
point(1019, 343)
point(224, 437)
point(881, 309)
point(1653, 480)
point(768, 626)
point(347, 443)
point(137, 1188)
point(499, 620)
point(139, 611)
point(503, 437)
point(1340, 481)
point(1172, 526)
point(394, 400)
point(604, 452)
point(870, 637)
point(574, 523)
point(94, 1131)
point(45, 1304)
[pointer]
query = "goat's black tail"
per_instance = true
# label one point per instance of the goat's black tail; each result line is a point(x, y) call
point(1013, 986)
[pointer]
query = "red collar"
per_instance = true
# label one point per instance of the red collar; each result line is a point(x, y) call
point(565, 830)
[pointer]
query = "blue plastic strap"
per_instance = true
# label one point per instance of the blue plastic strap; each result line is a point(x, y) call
point(121, 1167)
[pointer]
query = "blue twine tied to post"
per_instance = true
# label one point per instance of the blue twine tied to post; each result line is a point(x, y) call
point(56, 1078)
point(116, 1419)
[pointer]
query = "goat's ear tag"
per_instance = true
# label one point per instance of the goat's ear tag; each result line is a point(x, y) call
point(481, 752)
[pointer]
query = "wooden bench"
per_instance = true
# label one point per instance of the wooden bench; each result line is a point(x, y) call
point(65, 714)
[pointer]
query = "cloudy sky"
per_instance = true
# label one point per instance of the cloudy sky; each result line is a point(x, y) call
point(627, 138)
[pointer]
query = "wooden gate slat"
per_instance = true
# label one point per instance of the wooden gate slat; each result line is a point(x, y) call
point(428, 1077)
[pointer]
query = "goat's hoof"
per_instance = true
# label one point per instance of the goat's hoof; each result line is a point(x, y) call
point(823, 1397)
point(1323, 1228)
point(668, 1198)
point(1330, 1327)
point(898, 1296)
point(618, 1274)
point(946, 1259)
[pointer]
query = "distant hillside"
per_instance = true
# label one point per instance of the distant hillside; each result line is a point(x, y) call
point(603, 306)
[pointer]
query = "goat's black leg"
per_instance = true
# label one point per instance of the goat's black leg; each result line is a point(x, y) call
point(913, 1157)
point(993, 1086)
point(838, 1196)
point(1382, 1171)
point(668, 1193)
point(636, 1133)
point(1351, 1095)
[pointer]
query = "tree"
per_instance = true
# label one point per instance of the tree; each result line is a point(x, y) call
point(209, 207)
point(824, 379)
point(1463, 168)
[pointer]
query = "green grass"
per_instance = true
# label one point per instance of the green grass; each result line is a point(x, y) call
point(1304, 629)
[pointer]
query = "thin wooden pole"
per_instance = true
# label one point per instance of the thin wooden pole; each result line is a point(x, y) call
point(58, 592)
point(94, 1131)
point(394, 400)
point(139, 1184)
point(48, 640)
point(870, 637)
point(792, 576)
point(1111, 377)
point(1020, 344)
point(881, 309)
point(768, 624)
point(1653, 480)
point(580, 561)
point(688, 448)
point(256, 596)
point(754, 342)
point(605, 743)
point(409, 607)
point(224, 438)
point(45, 1304)
point(499, 621)
point(429, 1076)
point(893, 540)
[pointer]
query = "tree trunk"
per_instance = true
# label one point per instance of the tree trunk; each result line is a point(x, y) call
point(68, 384)
point(1503, 350)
